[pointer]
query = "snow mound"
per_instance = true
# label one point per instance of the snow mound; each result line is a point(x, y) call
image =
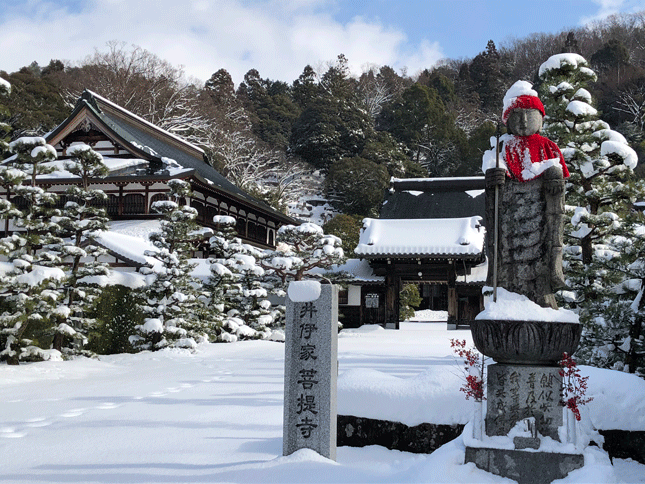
point(517, 307)
point(429, 396)
point(304, 291)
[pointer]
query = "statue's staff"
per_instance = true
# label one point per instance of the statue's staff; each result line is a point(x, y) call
point(498, 133)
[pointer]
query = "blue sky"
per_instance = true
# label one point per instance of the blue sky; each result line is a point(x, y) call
point(279, 37)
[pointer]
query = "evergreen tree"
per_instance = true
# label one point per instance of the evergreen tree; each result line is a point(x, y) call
point(36, 102)
point(172, 305)
point(117, 312)
point(488, 79)
point(409, 300)
point(31, 288)
point(600, 195)
point(215, 288)
point(305, 89)
point(347, 228)
point(236, 288)
point(302, 248)
point(333, 125)
point(419, 120)
point(220, 89)
point(357, 186)
point(5, 127)
point(81, 217)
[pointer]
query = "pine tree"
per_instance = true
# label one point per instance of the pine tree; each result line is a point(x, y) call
point(81, 217)
point(172, 305)
point(5, 128)
point(30, 289)
point(220, 278)
point(603, 238)
point(302, 248)
point(236, 289)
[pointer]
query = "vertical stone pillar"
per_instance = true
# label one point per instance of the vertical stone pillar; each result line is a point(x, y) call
point(311, 368)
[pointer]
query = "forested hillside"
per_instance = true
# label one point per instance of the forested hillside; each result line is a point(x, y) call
point(355, 131)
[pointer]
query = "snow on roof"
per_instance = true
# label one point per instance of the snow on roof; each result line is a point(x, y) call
point(452, 178)
point(407, 237)
point(136, 228)
point(113, 165)
point(140, 119)
point(131, 248)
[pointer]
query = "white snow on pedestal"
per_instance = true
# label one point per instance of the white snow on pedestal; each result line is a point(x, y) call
point(304, 291)
point(517, 307)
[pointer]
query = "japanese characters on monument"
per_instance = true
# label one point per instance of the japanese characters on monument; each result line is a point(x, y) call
point(517, 392)
point(311, 349)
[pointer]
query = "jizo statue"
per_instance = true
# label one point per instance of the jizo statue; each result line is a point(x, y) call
point(530, 199)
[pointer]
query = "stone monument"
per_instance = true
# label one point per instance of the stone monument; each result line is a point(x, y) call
point(524, 209)
point(311, 368)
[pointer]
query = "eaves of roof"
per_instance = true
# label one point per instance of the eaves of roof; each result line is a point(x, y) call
point(422, 256)
point(134, 133)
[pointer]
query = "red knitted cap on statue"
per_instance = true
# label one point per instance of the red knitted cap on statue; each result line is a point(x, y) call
point(524, 102)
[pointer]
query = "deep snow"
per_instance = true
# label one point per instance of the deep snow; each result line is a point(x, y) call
point(215, 415)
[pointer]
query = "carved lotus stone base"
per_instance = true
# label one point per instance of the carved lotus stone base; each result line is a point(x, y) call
point(538, 343)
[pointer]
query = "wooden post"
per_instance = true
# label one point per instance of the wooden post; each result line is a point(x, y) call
point(392, 283)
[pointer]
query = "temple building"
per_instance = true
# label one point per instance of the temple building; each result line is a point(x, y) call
point(430, 232)
point(142, 158)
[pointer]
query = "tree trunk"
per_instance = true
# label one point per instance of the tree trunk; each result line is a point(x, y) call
point(587, 250)
point(57, 344)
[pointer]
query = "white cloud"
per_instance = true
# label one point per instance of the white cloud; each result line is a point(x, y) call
point(278, 38)
point(612, 7)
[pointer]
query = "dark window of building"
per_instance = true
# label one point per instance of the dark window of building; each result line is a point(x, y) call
point(113, 205)
point(134, 203)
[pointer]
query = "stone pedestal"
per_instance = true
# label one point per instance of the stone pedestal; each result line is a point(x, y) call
point(519, 392)
point(524, 467)
point(525, 382)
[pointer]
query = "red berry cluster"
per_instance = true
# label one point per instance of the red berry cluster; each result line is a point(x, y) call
point(474, 386)
point(574, 386)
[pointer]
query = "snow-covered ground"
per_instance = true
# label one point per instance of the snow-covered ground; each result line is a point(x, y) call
point(215, 415)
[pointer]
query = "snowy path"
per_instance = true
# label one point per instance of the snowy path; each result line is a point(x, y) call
point(214, 416)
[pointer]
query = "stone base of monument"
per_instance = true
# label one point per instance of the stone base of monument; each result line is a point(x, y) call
point(523, 466)
point(517, 392)
point(523, 411)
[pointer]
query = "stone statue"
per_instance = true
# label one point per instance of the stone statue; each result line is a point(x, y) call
point(530, 185)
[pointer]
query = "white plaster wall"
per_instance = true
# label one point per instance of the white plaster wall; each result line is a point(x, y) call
point(353, 295)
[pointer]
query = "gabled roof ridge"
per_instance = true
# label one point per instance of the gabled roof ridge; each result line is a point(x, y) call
point(141, 120)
